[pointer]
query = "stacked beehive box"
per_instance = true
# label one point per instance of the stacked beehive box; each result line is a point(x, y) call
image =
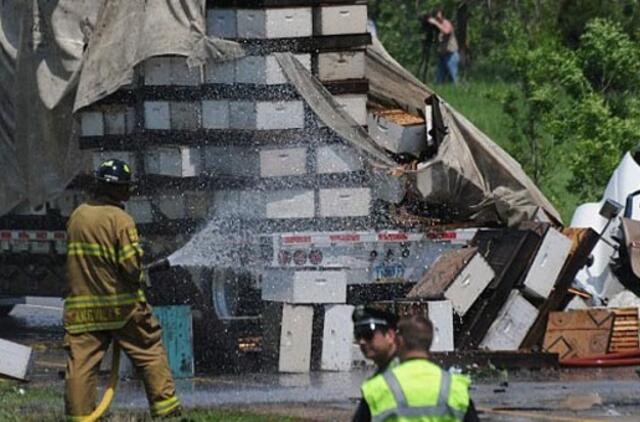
point(235, 140)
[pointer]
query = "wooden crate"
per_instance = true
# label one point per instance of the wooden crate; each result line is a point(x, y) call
point(578, 334)
point(459, 275)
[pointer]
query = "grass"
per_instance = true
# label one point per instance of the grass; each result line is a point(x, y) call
point(26, 403)
point(481, 101)
point(22, 402)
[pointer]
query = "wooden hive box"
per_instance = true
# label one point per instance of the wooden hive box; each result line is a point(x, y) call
point(459, 275)
point(578, 334)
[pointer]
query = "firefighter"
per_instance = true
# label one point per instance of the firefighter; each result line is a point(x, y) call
point(105, 300)
point(375, 332)
point(417, 389)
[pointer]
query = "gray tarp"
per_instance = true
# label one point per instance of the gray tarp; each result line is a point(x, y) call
point(58, 56)
point(470, 171)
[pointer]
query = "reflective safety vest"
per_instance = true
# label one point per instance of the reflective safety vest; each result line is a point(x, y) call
point(417, 390)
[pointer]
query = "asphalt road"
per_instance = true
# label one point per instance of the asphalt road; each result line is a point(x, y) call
point(587, 394)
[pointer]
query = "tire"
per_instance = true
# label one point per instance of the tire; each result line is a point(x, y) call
point(5, 310)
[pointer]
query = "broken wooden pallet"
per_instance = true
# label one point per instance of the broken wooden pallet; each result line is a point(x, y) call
point(624, 335)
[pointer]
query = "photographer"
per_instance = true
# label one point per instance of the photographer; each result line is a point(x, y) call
point(448, 56)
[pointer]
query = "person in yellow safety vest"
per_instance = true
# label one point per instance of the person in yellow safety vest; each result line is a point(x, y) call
point(105, 300)
point(417, 389)
point(375, 332)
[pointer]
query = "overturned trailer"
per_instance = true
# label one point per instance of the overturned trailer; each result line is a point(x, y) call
point(282, 128)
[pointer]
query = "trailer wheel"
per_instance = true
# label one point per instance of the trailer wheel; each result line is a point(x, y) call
point(5, 310)
point(233, 294)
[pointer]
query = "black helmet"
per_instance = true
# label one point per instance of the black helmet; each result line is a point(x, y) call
point(372, 317)
point(114, 171)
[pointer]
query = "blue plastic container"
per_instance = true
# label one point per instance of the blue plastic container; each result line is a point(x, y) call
point(177, 336)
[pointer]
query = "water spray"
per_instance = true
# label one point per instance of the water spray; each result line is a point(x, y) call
point(158, 266)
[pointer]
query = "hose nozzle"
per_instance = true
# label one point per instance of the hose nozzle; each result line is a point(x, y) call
point(157, 266)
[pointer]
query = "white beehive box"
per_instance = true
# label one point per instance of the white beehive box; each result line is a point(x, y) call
point(345, 202)
point(295, 338)
point(196, 204)
point(15, 359)
point(91, 123)
point(170, 70)
point(441, 316)
point(279, 115)
point(398, 131)
point(221, 23)
point(157, 71)
point(337, 159)
point(290, 204)
point(128, 157)
point(336, 20)
point(220, 72)
point(512, 324)
point(215, 114)
point(274, 23)
point(231, 161)
point(119, 120)
point(304, 286)
point(469, 284)
point(171, 206)
point(460, 275)
point(157, 115)
point(236, 203)
point(186, 115)
point(266, 115)
point(283, 162)
point(264, 70)
point(337, 338)
point(548, 263)
point(341, 65)
point(173, 161)
point(139, 207)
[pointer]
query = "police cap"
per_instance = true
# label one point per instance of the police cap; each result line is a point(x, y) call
point(367, 320)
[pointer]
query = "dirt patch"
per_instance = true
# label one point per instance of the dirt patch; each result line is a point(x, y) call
point(303, 412)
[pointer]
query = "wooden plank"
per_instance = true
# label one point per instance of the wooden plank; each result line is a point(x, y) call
point(583, 242)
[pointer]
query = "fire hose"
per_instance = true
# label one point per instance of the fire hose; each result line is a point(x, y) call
point(107, 398)
point(110, 391)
